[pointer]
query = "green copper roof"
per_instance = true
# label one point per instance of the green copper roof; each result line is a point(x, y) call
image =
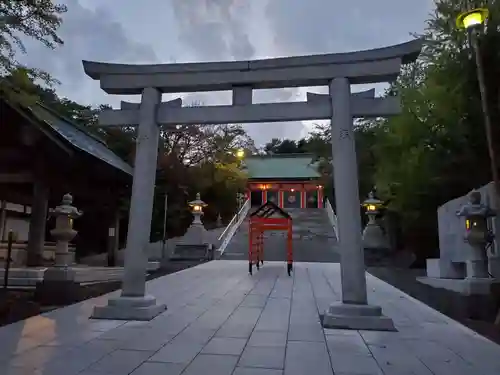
point(282, 166)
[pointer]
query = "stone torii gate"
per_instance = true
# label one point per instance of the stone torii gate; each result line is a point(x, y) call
point(337, 71)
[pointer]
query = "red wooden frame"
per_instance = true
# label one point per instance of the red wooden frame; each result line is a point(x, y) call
point(257, 227)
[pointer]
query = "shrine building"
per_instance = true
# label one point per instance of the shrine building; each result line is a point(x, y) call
point(289, 180)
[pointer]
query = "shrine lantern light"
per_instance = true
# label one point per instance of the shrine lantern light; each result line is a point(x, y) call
point(197, 206)
point(372, 205)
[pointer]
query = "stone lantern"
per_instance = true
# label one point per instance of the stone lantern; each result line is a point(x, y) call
point(63, 233)
point(59, 286)
point(196, 233)
point(197, 207)
point(373, 235)
point(477, 234)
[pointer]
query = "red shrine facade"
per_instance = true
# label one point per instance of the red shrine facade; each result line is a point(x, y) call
point(288, 180)
point(295, 194)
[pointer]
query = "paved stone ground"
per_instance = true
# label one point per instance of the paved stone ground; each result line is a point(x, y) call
point(313, 239)
point(221, 321)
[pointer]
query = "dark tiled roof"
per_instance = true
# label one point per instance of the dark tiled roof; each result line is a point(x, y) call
point(79, 138)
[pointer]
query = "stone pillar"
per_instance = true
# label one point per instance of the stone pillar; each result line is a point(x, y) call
point(3, 218)
point(38, 220)
point(353, 312)
point(113, 239)
point(133, 304)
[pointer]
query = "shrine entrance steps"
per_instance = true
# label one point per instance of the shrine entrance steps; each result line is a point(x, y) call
point(313, 239)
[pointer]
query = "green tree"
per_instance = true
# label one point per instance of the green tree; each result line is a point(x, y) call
point(285, 146)
point(435, 150)
point(26, 18)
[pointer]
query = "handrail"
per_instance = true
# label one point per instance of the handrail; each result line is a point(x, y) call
point(232, 226)
point(233, 220)
point(332, 217)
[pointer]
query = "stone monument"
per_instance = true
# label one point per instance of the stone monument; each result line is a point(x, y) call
point(467, 247)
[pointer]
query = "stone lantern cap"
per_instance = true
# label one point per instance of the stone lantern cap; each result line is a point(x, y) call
point(474, 207)
point(198, 202)
point(372, 201)
point(65, 208)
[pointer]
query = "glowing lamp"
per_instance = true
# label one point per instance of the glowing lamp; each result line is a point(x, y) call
point(197, 205)
point(372, 205)
point(469, 223)
point(472, 18)
point(240, 154)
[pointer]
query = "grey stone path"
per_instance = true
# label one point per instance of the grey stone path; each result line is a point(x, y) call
point(221, 321)
point(313, 239)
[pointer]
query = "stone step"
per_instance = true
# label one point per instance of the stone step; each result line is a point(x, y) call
point(192, 252)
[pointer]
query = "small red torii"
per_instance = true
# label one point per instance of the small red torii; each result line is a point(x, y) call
point(260, 221)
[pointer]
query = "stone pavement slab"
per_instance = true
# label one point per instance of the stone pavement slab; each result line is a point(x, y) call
point(222, 321)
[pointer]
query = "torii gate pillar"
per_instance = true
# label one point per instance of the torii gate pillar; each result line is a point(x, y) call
point(134, 304)
point(353, 312)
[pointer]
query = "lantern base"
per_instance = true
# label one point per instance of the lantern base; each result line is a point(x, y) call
point(129, 308)
point(195, 235)
point(374, 237)
point(352, 316)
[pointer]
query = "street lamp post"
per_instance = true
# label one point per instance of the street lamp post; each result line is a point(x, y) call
point(164, 239)
point(473, 21)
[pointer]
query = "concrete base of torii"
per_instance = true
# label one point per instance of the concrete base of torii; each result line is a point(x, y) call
point(129, 308)
point(358, 317)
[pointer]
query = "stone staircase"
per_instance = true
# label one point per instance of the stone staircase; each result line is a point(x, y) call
point(313, 239)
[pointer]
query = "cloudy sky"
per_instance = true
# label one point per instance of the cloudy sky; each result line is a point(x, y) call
point(156, 31)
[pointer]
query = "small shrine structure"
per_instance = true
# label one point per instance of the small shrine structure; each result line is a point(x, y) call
point(288, 180)
point(42, 157)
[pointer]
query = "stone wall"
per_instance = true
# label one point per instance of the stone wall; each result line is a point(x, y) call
point(18, 225)
point(18, 255)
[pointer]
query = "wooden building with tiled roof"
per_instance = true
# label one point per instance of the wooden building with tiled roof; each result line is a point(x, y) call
point(289, 180)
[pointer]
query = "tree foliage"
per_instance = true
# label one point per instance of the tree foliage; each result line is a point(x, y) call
point(21, 19)
point(439, 136)
point(435, 150)
point(191, 159)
